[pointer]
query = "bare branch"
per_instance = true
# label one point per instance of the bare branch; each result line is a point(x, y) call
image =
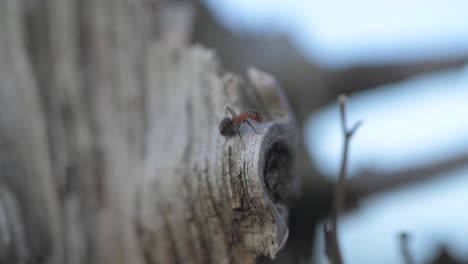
point(353, 129)
point(331, 227)
point(342, 104)
point(404, 247)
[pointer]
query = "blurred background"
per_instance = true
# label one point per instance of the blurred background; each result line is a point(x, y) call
point(403, 64)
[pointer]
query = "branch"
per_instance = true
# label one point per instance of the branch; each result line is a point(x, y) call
point(371, 181)
point(404, 247)
point(331, 227)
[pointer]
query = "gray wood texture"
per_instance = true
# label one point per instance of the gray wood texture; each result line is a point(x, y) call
point(109, 144)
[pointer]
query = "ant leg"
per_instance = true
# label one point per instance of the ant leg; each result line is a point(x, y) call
point(233, 113)
point(250, 124)
point(238, 133)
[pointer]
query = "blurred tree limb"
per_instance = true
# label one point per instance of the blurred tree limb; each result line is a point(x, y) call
point(404, 248)
point(370, 182)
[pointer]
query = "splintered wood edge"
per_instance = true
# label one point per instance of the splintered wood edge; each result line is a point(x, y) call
point(272, 153)
point(278, 150)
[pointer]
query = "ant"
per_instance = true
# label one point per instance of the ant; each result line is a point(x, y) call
point(228, 127)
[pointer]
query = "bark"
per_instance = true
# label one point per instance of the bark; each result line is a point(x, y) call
point(109, 143)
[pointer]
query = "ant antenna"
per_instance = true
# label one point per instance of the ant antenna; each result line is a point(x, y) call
point(270, 113)
point(233, 113)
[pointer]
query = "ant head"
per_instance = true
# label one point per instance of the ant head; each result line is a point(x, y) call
point(226, 127)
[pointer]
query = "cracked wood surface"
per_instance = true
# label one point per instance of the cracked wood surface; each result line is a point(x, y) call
point(109, 143)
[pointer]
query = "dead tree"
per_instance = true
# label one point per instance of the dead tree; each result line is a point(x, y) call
point(109, 143)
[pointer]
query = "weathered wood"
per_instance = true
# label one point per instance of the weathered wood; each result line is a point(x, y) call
point(109, 143)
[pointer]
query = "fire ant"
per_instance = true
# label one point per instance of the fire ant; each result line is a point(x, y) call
point(228, 127)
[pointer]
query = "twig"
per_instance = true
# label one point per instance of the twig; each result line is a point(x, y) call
point(404, 247)
point(332, 247)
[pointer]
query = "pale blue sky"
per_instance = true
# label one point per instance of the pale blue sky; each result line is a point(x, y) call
point(414, 122)
point(432, 213)
point(339, 33)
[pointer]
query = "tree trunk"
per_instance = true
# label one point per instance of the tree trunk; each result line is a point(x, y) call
point(109, 144)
